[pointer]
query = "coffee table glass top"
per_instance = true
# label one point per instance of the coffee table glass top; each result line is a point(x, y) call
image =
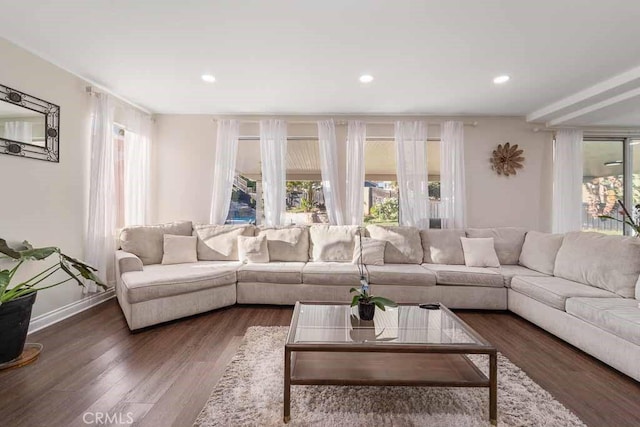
point(402, 325)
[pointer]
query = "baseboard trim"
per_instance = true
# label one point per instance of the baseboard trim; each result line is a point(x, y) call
point(57, 315)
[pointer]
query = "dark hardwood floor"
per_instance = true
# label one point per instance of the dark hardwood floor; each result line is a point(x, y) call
point(91, 364)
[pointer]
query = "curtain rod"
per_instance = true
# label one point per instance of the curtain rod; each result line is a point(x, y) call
point(342, 122)
point(315, 138)
point(93, 90)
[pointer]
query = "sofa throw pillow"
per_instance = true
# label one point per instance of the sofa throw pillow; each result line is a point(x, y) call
point(372, 251)
point(442, 246)
point(146, 242)
point(220, 242)
point(332, 243)
point(288, 244)
point(179, 249)
point(404, 245)
point(479, 252)
point(539, 251)
point(508, 241)
point(607, 262)
point(253, 249)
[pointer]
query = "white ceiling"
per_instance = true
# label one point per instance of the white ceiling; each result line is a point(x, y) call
point(302, 57)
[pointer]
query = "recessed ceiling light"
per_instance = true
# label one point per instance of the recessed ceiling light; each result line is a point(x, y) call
point(366, 78)
point(501, 79)
point(613, 163)
point(208, 78)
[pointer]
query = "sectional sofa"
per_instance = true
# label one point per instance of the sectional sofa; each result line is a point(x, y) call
point(582, 287)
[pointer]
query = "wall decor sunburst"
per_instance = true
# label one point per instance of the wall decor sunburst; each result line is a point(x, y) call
point(507, 159)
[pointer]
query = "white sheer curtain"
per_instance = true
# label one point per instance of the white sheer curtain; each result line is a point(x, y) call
point(413, 176)
point(567, 181)
point(452, 179)
point(273, 154)
point(100, 238)
point(225, 169)
point(19, 131)
point(356, 137)
point(329, 169)
point(137, 167)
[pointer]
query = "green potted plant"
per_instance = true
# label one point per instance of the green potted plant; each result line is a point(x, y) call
point(367, 303)
point(16, 300)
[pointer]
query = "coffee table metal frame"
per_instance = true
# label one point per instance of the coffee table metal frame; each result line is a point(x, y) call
point(424, 364)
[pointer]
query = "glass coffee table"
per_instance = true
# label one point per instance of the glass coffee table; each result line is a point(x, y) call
point(328, 344)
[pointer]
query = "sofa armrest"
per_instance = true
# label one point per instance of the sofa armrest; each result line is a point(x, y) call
point(126, 262)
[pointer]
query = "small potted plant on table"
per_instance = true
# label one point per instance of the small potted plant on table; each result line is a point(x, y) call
point(367, 303)
point(16, 301)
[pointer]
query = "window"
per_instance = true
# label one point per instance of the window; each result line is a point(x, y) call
point(603, 184)
point(243, 207)
point(305, 198)
point(381, 195)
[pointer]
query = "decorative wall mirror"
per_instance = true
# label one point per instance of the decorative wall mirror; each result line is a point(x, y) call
point(29, 126)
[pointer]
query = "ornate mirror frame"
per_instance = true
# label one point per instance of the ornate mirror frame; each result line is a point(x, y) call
point(51, 150)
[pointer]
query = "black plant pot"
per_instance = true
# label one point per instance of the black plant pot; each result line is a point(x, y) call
point(14, 325)
point(366, 310)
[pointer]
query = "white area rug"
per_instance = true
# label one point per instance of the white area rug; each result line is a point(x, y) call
point(250, 393)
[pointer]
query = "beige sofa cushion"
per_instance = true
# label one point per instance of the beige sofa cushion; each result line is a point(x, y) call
point(253, 249)
point(273, 272)
point(220, 242)
point(465, 276)
point(555, 291)
point(539, 251)
point(400, 274)
point(332, 243)
point(404, 245)
point(442, 246)
point(606, 262)
point(508, 241)
point(370, 250)
point(287, 243)
point(179, 249)
point(159, 281)
point(331, 273)
point(146, 242)
point(479, 252)
point(619, 316)
point(508, 272)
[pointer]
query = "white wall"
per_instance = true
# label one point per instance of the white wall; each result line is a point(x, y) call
point(185, 151)
point(44, 202)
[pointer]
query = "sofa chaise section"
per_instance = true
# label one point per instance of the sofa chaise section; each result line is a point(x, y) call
point(160, 293)
point(589, 302)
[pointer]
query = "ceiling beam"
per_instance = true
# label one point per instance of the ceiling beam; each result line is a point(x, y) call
point(594, 107)
point(600, 92)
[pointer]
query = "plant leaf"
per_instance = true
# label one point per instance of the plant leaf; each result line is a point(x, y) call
point(5, 278)
point(78, 262)
point(38, 254)
point(379, 305)
point(355, 299)
point(5, 249)
point(354, 290)
point(67, 270)
point(384, 301)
